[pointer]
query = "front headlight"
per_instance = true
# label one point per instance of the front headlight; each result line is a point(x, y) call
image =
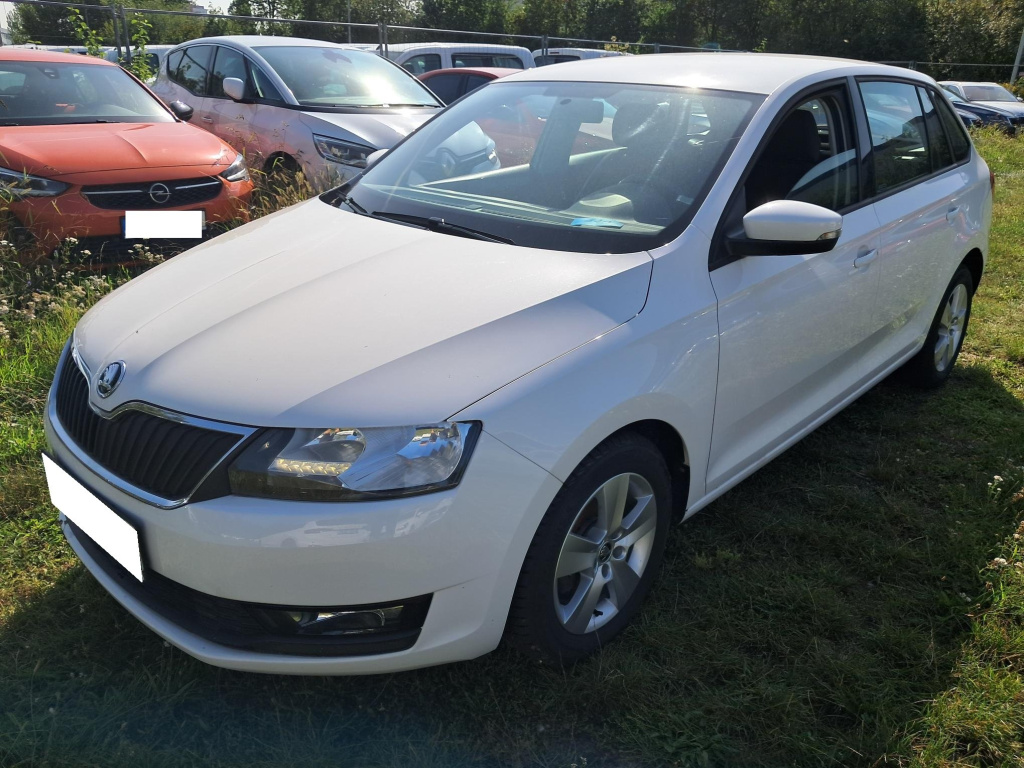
point(237, 171)
point(353, 464)
point(344, 152)
point(17, 186)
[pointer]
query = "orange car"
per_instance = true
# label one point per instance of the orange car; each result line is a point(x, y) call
point(82, 141)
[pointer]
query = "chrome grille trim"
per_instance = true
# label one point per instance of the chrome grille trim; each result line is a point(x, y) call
point(243, 433)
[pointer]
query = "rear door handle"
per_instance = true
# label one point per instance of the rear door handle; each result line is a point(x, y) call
point(952, 212)
point(207, 119)
point(865, 258)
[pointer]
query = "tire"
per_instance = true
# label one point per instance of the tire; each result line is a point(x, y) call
point(573, 537)
point(934, 363)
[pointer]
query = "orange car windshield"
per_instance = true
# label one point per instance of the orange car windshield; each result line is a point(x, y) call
point(59, 93)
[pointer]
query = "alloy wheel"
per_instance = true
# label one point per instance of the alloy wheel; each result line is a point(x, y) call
point(605, 553)
point(951, 327)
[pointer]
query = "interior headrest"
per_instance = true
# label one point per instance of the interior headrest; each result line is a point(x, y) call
point(637, 122)
point(797, 137)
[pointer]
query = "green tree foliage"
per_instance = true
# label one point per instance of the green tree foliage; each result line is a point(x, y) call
point(887, 30)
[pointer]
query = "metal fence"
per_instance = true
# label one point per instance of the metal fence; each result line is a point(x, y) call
point(381, 35)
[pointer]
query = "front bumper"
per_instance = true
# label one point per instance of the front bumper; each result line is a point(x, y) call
point(464, 548)
point(52, 219)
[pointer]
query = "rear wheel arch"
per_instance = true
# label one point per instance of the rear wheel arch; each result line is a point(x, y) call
point(975, 262)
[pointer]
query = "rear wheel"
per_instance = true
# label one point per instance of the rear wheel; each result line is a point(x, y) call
point(595, 554)
point(933, 364)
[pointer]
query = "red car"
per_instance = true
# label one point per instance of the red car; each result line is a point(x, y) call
point(82, 142)
point(451, 84)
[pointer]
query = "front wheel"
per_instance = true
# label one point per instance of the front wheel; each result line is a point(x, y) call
point(933, 364)
point(595, 553)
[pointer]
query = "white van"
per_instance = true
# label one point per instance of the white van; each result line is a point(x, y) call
point(418, 58)
point(560, 55)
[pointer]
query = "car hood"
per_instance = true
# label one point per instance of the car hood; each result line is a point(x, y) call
point(1006, 107)
point(63, 150)
point(381, 131)
point(317, 317)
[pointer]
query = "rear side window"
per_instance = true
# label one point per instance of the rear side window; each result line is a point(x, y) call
point(475, 81)
point(446, 87)
point(899, 144)
point(194, 69)
point(958, 141)
point(424, 62)
point(938, 146)
point(486, 60)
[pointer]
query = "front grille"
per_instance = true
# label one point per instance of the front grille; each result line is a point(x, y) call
point(244, 625)
point(140, 197)
point(159, 456)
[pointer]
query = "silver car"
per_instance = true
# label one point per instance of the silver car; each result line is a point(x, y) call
point(296, 104)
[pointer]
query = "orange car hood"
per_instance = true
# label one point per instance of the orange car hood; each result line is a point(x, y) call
point(63, 150)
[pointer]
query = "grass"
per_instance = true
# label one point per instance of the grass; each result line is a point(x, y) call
point(844, 606)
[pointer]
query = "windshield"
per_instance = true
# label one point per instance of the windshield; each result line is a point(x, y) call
point(988, 93)
point(58, 93)
point(333, 77)
point(590, 167)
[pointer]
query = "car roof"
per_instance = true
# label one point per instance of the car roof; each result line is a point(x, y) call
point(266, 41)
point(32, 54)
point(483, 47)
point(760, 73)
point(965, 82)
point(493, 72)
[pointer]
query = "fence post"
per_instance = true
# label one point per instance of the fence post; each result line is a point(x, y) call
point(543, 45)
point(348, 18)
point(127, 34)
point(117, 32)
point(1016, 62)
point(657, 47)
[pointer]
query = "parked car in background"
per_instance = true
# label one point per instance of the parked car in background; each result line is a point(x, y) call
point(82, 142)
point(418, 58)
point(987, 114)
point(475, 406)
point(562, 55)
point(990, 95)
point(295, 104)
point(155, 54)
point(451, 84)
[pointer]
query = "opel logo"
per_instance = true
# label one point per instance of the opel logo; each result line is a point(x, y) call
point(159, 193)
point(110, 378)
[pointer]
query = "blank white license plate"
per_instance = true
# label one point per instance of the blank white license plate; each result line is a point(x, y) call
point(173, 224)
point(98, 521)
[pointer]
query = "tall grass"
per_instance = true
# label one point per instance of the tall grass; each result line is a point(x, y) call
point(859, 602)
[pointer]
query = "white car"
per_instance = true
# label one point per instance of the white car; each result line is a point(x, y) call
point(386, 427)
point(543, 57)
point(296, 104)
point(419, 58)
point(987, 94)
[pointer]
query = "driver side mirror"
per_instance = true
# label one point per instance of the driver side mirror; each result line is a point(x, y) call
point(234, 88)
point(786, 227)
point(181, 110)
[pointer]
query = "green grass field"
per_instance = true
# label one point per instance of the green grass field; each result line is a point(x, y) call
point(860, 601)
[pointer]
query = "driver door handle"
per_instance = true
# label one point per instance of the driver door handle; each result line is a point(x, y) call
point(952, 212)
point(207, 119)
point(865, 258)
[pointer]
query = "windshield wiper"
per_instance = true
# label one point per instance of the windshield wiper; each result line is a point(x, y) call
point(437, 224)
point(356, 207)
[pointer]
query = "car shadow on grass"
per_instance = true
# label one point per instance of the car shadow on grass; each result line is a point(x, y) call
point(805, 618)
